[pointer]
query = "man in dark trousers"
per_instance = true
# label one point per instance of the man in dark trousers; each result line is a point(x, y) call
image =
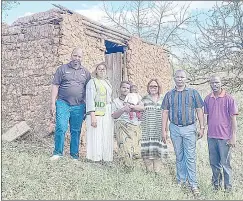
point(221, 111)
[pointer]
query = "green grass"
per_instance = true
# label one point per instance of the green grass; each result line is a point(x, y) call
point(27, 173)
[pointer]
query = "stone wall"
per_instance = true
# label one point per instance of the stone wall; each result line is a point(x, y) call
point(146, 61)
point(73, 35)
point(32, 49)
point(29, 57)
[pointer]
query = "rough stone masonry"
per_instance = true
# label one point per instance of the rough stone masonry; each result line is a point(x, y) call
point(34, 46)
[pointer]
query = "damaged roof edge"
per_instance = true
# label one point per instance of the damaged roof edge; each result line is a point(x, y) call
point(91, 21)
point(56, 13)
point(104, 27)
point(36, 17)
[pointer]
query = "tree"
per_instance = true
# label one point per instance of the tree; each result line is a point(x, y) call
point(218, 47)
point(8, 5)
point(155, 21)
point(165, 23)
point(201, 47)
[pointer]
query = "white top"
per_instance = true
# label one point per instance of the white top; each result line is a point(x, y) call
point(118, 104)
point(91, 93)
point(133, 98)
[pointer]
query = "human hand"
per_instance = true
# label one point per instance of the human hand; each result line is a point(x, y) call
point(200, 133)
point(132, 106)
point(231, 142)
point(126, 108)
point(53, 110)
point(53, 119)
point(164, 136)
point(93, 121)
point(51, 128)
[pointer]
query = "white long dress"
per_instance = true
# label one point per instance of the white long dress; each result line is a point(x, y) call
point(99, 140)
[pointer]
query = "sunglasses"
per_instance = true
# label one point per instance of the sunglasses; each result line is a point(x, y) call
point(153, 86)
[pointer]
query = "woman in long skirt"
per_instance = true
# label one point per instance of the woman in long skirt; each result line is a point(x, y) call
point(100, 126)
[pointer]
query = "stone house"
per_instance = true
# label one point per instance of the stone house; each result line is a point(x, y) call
point(34, 46)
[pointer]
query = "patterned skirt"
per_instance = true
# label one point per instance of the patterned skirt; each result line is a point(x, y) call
point(153, 149)
point(128, 140)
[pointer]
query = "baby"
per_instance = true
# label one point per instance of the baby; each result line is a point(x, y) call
point(133, 98)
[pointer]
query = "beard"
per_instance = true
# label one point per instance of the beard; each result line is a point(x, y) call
point(75, 63)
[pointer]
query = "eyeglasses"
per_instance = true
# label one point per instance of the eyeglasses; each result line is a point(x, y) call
point(101, 70)
point(153, 86)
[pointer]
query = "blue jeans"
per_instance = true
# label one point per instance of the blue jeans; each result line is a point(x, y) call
point(74, 115)
point(184, 142)
point(219, 157)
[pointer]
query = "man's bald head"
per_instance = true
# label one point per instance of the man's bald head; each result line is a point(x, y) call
point(76, 56)
point(77, 50)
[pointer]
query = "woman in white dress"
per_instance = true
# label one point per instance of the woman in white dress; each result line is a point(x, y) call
point(100, 126)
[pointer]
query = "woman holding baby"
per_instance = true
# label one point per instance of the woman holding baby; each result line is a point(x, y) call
point(127, 127)
point(132, 141)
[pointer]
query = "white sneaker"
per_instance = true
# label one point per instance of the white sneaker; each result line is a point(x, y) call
point(55, 157)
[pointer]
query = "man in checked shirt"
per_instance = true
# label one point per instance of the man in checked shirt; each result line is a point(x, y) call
point(179, 106)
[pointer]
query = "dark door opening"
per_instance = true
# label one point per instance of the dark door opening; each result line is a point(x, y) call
point(112, 47)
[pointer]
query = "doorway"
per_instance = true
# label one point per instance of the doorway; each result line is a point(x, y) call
point(115, 60)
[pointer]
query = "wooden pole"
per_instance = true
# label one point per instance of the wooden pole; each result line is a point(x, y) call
point(105, 30)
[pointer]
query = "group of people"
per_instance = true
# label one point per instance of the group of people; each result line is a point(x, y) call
point(139, 125)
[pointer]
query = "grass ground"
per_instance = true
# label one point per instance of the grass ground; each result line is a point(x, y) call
point(28, 174)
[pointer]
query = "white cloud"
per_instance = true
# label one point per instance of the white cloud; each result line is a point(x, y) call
point(94, 13)
point(27, 14)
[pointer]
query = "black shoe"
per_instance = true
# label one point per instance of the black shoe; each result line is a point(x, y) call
point(217, 187)
point(228, 189)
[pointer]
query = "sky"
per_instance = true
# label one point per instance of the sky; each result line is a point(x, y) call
point(90, 9)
